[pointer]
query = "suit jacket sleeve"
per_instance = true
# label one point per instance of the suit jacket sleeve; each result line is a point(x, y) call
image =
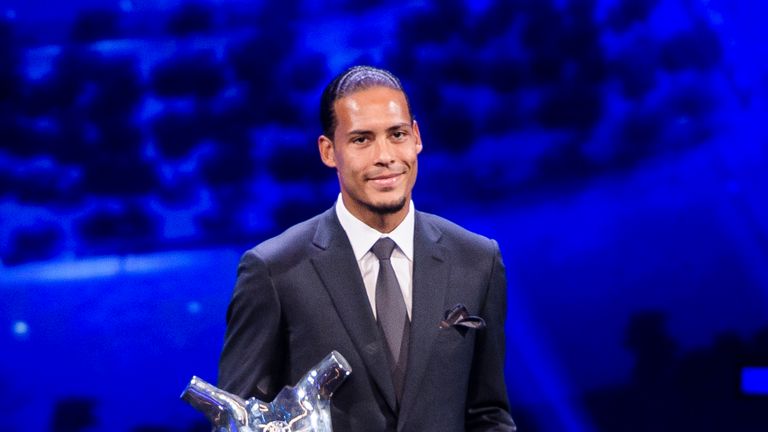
point(251, 359)
point(487, 401)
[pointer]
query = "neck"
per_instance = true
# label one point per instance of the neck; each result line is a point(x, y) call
point(385, 223)
point(381, 222)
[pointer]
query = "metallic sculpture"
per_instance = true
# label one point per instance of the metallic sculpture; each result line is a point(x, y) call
point(304, 407)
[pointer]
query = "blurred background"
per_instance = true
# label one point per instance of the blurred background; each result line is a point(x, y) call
point(616, 149)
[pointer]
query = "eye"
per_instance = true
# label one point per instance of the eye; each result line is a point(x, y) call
point(399, 135)
point(359, 140)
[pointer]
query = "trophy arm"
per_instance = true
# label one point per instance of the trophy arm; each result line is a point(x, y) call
point(305, 407)
point(225, 411)
point(326, 376)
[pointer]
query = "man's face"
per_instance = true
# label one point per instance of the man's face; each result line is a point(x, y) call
point(374, 151)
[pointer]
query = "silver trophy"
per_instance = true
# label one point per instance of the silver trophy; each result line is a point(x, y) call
point(305, 407)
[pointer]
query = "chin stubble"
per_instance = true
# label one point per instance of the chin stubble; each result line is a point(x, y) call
point(385, 209)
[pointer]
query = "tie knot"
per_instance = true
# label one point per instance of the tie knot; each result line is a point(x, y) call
point(383, 248)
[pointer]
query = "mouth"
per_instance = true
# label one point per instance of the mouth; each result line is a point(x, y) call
point(386, 181)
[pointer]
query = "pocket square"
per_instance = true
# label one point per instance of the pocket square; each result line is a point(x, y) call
point(458, 316)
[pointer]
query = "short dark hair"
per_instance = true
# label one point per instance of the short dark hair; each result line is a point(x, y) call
point(350, 81)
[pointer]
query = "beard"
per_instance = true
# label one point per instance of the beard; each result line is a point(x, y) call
point(386, 208)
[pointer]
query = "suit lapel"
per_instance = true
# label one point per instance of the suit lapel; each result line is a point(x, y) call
point(340, 274)
point(430, 282)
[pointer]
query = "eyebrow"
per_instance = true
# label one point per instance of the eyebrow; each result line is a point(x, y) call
point(367, 132)
point(359, 132)
point(397, 126)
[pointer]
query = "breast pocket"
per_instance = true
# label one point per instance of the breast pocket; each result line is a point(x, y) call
point(455, 338)
point(452, 354)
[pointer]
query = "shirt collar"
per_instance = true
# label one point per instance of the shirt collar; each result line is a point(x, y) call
point(362, 237)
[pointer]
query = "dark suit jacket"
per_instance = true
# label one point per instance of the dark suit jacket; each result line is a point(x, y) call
point(300, 295)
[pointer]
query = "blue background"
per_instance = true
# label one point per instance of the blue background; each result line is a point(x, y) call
point(616, 149)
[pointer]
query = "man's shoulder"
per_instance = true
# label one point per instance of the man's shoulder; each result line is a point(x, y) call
point(455, 234)
point(291, 243)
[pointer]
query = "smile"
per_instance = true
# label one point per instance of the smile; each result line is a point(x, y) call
point(387, 181)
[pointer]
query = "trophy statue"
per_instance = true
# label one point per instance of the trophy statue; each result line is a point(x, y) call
point(305, 407)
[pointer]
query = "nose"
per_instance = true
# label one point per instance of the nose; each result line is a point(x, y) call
point(384, 153)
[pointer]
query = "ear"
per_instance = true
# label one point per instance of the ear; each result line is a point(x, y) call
point(417, 135)
point(327, 155)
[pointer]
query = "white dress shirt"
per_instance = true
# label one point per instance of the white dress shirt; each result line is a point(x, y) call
point(362, 237)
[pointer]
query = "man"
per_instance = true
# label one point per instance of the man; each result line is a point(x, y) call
point(332, 283)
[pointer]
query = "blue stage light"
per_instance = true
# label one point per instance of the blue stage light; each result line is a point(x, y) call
point(754, 380)
point(20, 329)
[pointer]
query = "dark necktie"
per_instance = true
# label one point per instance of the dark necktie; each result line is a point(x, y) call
point(391, 312)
